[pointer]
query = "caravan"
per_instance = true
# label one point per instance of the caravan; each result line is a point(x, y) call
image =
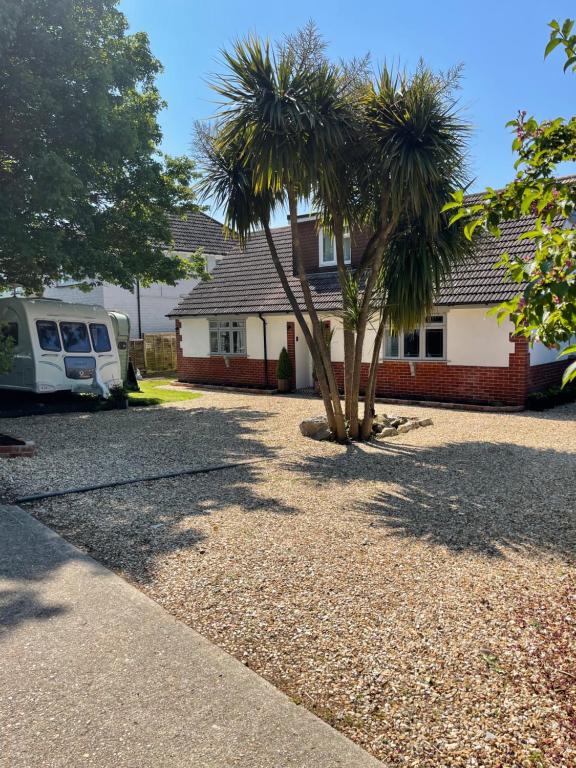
point(60, 347)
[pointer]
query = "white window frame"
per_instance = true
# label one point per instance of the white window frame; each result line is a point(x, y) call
point(332, 263)
point(225, 325)
point(427, 324)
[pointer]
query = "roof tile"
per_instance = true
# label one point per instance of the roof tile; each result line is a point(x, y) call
point(245, 282)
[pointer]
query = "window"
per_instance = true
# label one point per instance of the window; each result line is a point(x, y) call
point(48, 335)
point(434, 330)
point(426, 342)
point(227, 337)
point(75, 337)
point(100, 337)
point(412, 343)
point(391, 345)
point(10, 331)
point(327, 248)
point(80, 367)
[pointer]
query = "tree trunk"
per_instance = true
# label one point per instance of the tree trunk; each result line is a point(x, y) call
point(354, 427)
point(343, 277)
point(310, 340)
point(371, 265)
point(370, 393)
point(324, 365)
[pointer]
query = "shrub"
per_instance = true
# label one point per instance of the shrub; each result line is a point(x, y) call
point(284, 367)
point(549, 398)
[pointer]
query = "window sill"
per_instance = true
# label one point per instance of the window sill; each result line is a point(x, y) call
point(414, 359)
point(227, 354)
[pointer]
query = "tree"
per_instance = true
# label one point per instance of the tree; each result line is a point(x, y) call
point(373, 154)
point(84, 191)
point(545, 307)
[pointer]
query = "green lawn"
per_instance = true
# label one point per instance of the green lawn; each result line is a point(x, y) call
point(152, 394)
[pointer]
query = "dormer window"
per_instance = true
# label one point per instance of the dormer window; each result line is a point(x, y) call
point(327, 249)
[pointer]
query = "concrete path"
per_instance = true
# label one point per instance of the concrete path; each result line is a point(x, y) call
point(94, 673)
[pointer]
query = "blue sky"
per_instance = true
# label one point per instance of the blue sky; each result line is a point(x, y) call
point(500, 44)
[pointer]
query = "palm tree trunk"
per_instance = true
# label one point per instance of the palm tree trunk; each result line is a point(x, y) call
point(326, 364)
point(370, 393)
point(371, 263)
point(311, 341)
point(349, 341)
point(348, 332)
point(354, 426)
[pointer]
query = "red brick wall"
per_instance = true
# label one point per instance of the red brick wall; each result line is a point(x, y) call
point(212, 370)
point(541, 377)
point(457, 383)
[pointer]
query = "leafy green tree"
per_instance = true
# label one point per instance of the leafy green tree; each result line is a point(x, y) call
point(545, 307)
point(374, 154)
point(84, 190)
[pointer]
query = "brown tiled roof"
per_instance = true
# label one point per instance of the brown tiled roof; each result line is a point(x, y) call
point(198, 230)
point(246, 281)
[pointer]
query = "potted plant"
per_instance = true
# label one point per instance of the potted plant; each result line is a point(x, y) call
point(284, 372)
point(119, 397)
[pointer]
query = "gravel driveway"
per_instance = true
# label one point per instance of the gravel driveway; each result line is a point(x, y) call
point(418, 594)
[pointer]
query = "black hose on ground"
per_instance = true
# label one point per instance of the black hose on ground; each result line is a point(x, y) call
point(145, 479)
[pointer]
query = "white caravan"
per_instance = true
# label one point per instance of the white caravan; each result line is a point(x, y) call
point(59, 347)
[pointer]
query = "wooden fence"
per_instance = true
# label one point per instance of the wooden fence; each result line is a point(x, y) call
point(154, 353)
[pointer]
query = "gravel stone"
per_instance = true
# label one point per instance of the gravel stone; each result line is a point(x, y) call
point(419, 594)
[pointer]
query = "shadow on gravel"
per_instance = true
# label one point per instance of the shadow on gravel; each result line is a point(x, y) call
point(128, 528)
point(486, 498)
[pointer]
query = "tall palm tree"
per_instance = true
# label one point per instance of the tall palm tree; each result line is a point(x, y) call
point(281, 118)
point(378, 155)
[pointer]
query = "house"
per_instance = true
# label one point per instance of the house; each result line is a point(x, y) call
point(231, 329)
point(147, 307)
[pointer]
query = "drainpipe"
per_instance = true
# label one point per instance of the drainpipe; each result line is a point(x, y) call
point(265, 349)
point(139, 309)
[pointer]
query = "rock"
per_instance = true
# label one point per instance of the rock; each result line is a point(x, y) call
point(425, 422)
point(322, 434)
point(407, 427)
point(388, 432)
point(316, 427)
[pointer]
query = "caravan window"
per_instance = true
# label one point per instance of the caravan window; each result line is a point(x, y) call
point(75, 337)
point(48, 335)
point(100, 337)
point(10, 331)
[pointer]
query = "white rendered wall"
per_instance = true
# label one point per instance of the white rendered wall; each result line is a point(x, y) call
point(156, 300)
point(74, 295)
point(540, 354)
point(473, 338)
point(337, 346)
point(195, 333)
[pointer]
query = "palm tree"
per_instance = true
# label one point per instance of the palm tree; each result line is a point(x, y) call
point(380, 156)
point(282, 117)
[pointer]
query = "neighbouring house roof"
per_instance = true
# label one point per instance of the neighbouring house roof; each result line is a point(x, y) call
point(246, 281)
point(198, 230)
